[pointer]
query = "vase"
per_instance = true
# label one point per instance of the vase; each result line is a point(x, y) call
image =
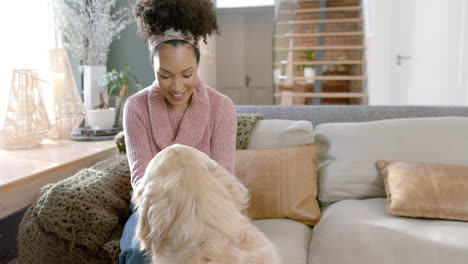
point(309, 74)
point(26, 122)
point(69, 108)
point(101, 119)
point(91, 76)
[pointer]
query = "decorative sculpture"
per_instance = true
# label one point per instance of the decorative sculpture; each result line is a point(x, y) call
point(69, 108)
point(26, 122)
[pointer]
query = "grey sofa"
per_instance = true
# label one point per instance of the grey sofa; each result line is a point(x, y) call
point(350, 231)
point(355, 227)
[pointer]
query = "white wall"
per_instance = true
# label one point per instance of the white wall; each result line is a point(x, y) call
point(464, 70)
point(378, 47)
point(207, 67)
point(243, 3)
point(450, 32)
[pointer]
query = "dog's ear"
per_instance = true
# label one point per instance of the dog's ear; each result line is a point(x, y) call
point(233, 185)
point(168, 213)
point(151, 205)
point(145, 211)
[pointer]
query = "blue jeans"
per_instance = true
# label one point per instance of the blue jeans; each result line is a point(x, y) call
point(129, 245)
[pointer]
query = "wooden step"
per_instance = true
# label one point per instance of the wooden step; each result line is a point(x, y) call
point(326, 9)
point(323, 34)
point(333, 2)
point(327, 78)
point(340, 47)
point(320, 21)
point(322, 95)
point(347, 62)
point(329, 9)
point(330, 3)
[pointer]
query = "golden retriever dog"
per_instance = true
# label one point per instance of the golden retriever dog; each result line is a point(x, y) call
point(190, 212)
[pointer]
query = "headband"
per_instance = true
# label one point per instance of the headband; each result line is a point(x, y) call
point(170, 35)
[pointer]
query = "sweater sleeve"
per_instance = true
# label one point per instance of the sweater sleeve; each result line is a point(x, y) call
point(223, 140)
point(137, 140)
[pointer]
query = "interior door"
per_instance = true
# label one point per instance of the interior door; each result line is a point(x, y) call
point(230, 57)
point(244, 53)
point(427, 51)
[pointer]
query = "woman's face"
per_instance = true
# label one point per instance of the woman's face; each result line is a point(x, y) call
point(177, 75)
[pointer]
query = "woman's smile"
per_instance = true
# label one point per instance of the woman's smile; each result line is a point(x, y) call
point(179, 96)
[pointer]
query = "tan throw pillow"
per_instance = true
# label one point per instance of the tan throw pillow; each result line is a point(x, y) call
point(282, 182)
point(429, 190)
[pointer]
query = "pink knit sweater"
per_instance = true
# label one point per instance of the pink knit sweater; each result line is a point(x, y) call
point(209, 124)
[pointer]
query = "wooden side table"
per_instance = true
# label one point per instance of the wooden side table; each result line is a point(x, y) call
point(24, 172)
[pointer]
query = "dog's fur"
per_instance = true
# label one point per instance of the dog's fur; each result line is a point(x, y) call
point(190, 211)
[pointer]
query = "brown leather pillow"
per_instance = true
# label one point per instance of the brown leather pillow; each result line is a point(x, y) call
point(428, 190)
point(282, 182)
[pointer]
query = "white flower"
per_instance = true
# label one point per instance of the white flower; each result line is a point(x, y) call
point(89, 27)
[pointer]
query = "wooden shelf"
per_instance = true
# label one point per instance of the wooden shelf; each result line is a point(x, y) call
point(340, 47)
point(328, 78)
point(321, 21)
point(326, 9)
point(324, 34)
point(344, 62)
point(328, 1)
point(322, 95)
point(343, 34)
point(329, 9)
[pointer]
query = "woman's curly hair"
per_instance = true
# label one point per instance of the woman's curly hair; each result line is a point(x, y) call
point(154, 17)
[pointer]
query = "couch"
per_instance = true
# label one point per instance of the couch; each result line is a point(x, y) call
point(354, 227)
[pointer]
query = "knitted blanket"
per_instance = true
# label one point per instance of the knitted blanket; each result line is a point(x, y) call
point(245, 126)
point(79, 219)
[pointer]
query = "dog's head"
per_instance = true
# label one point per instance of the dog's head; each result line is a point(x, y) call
point(183, 192)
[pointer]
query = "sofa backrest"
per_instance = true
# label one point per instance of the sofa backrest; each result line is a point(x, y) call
point(355, 113)
point(349, 151)
point(350, 143)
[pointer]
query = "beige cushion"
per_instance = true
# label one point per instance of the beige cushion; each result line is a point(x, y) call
point(292, 238)
point(276, 133)
point(429, 190)
point(348, 151)
point(282, 182)
point(360, 231)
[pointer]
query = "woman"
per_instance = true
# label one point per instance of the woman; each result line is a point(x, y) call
point(179, 108)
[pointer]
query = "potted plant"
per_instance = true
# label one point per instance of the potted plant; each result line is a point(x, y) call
point(88, 28)
point(309, 70)
point(119, 85)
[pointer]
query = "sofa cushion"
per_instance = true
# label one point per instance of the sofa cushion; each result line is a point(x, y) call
point(292, 238)
point(276, 133)
point(348, 151)
point(360, 231)
point(429, 190)
point(281, 182)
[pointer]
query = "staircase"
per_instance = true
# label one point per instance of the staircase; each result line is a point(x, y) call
point(332, 30)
